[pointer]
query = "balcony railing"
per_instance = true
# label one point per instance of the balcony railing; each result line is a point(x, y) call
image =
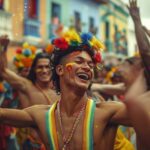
point(5, 23)
point(31, 28)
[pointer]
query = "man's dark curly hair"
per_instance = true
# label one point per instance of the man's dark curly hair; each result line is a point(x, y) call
point(32, 76)
point(58, 55)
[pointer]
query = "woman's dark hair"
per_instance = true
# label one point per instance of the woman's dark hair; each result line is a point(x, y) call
point(57, 56)
point(32, 76)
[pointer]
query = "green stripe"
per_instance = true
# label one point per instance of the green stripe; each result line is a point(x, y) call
point(91, 123)
point(48, 128)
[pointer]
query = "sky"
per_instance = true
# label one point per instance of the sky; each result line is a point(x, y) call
point(144, 6)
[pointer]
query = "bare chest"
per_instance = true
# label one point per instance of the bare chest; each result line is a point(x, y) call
point(101, 135)
point(35, 96)
point(40, 97)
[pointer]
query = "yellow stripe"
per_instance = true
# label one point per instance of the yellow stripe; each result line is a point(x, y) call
point(53, 131)
point(85, 129)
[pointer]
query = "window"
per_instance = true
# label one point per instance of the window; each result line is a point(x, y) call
point(91, 22)
point(32, 9)
point(116, 28)
point(92, 27)
point(77, 21)
point(55, 27)
point(107, 30)
point(56, 13)
point(1, 4)
point(31, 22)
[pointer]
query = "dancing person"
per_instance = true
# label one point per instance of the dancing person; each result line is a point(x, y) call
point(75, 118)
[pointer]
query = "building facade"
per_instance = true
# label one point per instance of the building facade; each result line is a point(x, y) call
point(39, 21)
point(114, 27)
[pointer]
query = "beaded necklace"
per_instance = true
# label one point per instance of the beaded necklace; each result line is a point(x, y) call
point(66, 140)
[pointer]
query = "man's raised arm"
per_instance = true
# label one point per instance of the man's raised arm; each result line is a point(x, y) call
point(4, 41)
point(12, 78)
point(142, 40)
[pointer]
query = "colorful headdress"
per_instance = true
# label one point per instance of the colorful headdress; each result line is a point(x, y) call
point(72, 38)
point(49, 48)
point(110, 74)
point(24, 56)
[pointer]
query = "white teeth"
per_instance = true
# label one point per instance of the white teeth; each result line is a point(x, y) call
point(83, 76)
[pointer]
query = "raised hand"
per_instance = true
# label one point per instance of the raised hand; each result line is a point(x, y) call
point(4, 41)
point(133, 9)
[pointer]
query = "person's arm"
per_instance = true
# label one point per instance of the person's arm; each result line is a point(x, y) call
point(139, 112)
point(12, 78)
point(147, 31)
point(142, 40)
point(137, 102)
point(14, 117)
point(119, 114)
point(112, 89)
point(4, 41)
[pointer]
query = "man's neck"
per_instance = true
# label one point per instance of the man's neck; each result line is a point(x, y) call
point(71, 103)
point(43, 85)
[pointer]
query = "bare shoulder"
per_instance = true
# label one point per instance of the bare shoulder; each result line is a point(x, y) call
point(37, 112)
point(114, 112)
point(37, 108)
point(111, 105)
point(108, 109)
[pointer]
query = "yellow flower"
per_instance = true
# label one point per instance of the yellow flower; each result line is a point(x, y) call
point(26, 45)
point(72, 36)
point(96, 44)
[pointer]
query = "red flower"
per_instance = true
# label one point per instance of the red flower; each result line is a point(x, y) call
point(61, 43)
point(19, 51)
point(98, 57)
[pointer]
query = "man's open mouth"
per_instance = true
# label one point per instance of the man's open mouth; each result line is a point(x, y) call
point(83, 76)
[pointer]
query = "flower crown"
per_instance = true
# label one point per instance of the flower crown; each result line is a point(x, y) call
point(110, 74)
point(24, 56)
point(72, 38)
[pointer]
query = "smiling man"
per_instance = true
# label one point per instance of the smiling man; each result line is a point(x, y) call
point(75, 121)
point(37, 89)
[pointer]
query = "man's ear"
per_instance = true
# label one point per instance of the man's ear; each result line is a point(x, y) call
point(60, 69)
